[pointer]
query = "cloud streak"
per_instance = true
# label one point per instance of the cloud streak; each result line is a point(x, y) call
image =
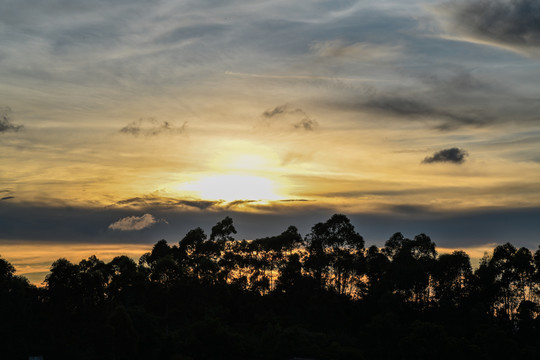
point(134, 223)
point(359, 50)
point(453, 155)
point(167, 202)
point(513, 24)
point(411, 108)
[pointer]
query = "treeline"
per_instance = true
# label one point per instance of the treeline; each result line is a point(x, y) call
point(322, 296)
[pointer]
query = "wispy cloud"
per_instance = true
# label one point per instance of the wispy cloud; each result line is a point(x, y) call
point(452, 155)
point(167, 202)
point(299, 118)
point(5, 121)
point(133, 223)
point(152, 127)
point(511, 24)
point(358, 50)
point(412, 108)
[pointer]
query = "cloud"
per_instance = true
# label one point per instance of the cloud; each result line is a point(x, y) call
point(167, 202)
point(412, 108)
point(304, 123)
point(7, 198)
point(152, 127)
point(278, 110)
point(452, 155)
point(512, 24)
point(72, 225)
point(359, 50)
point(238, 203)
point(455, 80)
point(5, 121)
point(132, 223)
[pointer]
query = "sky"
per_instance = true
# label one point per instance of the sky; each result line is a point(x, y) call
point(125, 122)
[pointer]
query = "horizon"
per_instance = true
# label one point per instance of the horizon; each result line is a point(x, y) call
point(33, 259)
point(123, 123)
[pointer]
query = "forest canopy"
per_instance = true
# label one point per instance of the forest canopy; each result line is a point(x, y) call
point(322, 296)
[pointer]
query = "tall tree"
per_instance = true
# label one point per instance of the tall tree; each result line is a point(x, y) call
point(64, 286)
point(94, 279)
point(333, 251)
point(452, 272)
point(411, 266)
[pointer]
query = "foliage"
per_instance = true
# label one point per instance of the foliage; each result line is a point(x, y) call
point(324, 296)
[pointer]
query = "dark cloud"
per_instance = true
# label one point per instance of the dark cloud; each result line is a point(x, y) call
point(412, 108)
point(5, 121)
point(512, 23)
point(152, 127)
point(7, 198)
point(283, 110)
point(455, 81)
point(199, 204)
point(304, 123)
point(452, 155)
point(238, 203)
point(167, 202)
point(461, 229)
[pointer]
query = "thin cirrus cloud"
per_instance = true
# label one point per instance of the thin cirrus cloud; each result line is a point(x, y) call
point(134, 223)
point(358, 50)
point(452, 155)
point(411, 108)
point(511, 24)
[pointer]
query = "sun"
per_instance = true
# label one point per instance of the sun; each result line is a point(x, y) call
point(231, 187)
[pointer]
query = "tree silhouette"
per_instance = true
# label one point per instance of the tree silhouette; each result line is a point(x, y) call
point(411, 266)
point(64, 286)
point(451, 274)
point(321, 297)
point(333, 247)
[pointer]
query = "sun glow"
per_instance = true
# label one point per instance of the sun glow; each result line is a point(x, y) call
point(233, 187)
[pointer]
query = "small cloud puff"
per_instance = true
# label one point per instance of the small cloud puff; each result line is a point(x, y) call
point(131, 223)
point(5, 121)
point(152, 127)
point(452, 155)
point(305, 122)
